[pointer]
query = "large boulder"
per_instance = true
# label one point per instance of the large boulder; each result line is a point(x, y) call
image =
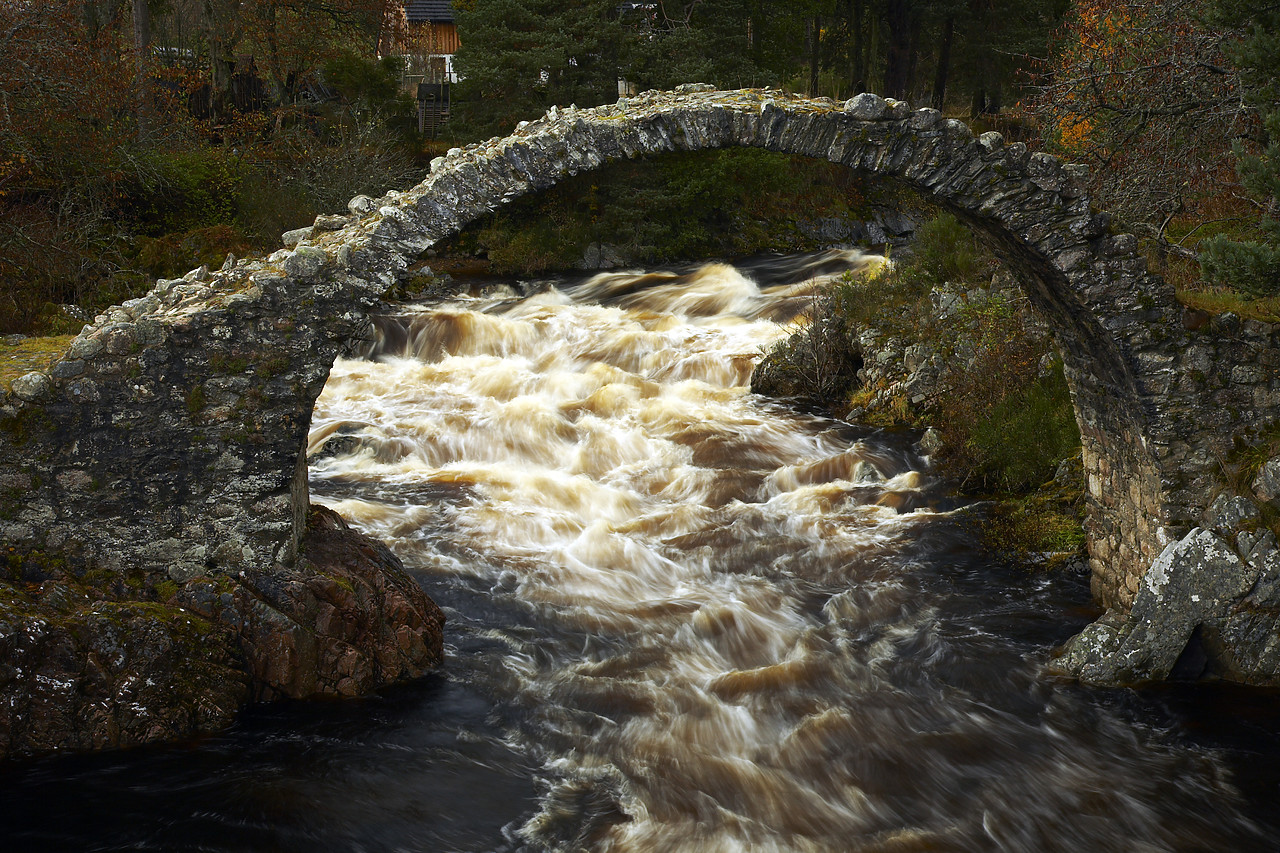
point(97, 661)
point(1207, 607)
point(81, 672)
point(345, 620)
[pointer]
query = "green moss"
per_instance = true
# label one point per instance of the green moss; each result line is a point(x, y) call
point(272, 366)
point(30, 354)
point(196, 399)
point(1220, 301)
point(343, 582)
point(30, 423)
point(1047, 521)
point(51, 563)
point(98, 577)
point(12, 502)
point(240, 435)
point(229, 363)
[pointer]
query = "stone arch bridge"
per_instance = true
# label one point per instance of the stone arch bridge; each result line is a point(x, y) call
point(171, 437)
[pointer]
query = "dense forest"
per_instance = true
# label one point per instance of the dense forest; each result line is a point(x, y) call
point(142, 139)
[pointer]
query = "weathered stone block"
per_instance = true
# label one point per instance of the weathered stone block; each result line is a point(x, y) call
point(31, 386)
point(1229, 513)
point(1195, 580)
point(1267, 484)
point(292, 238)
point(867, 106)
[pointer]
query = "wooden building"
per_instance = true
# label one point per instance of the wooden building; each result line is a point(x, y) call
point(428, 49)
point(431, 42)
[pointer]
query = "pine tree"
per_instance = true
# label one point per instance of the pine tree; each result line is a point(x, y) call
point(519, 57)
point(1253, 266)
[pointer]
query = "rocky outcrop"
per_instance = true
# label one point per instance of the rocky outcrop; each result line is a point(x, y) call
point(82, 672)
point(1207, 608)
point(343, 621)
point(108, 660)
point(946, 343)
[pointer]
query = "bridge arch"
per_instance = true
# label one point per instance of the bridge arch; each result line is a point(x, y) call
point(1091, 286)
point(171, 438)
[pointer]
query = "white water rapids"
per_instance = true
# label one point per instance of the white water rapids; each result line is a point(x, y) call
point(731, 627)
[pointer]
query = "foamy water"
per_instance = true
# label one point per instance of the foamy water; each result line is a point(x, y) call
point(739, 635)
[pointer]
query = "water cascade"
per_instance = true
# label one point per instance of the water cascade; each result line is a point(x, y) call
point(737, 631)
point(681, 618)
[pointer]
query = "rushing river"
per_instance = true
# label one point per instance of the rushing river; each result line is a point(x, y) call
point(682, 618)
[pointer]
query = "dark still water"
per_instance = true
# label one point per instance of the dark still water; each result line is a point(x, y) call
point(681, 619)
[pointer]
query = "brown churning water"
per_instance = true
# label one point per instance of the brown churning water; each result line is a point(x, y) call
point(743, 628)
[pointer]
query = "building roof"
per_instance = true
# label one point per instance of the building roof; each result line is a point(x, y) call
point(433, 11)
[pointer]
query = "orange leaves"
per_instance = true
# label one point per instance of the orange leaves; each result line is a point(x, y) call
point(1075, 134)
point(1100, 28)
point(1142, 91)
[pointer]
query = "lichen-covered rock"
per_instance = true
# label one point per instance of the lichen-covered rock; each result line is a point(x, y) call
point(1267, 484)
point(1228, 513)
point(87, 665)
point(866, 107)
point(83, 673)
point(31, 386)
point(1201, 608)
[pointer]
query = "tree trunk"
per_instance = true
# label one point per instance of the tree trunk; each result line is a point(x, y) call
point(897, 69)
point(221, 70)
point(858, 62)
point(815, 54)
point(913, 53)
point(944, 63)
point(142, 56)
point(141, 26)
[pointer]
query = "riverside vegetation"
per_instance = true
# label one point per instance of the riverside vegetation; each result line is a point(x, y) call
point(944, 340)
point(678, 207)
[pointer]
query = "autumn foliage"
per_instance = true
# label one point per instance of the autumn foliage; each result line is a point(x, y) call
point(1142, 91)
point(207, 130)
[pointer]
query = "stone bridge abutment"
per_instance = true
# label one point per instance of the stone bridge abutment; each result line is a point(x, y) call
point(170, 440)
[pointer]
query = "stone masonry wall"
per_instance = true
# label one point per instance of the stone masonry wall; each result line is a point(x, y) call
point(169, 441)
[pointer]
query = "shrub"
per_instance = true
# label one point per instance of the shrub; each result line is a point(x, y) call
point(178, 190)
point(1017, 443)
point(1248, 266)
point(943, 249)
point(1006, 422)
point(818, 364)
point(674, 207)
point(174, 254)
